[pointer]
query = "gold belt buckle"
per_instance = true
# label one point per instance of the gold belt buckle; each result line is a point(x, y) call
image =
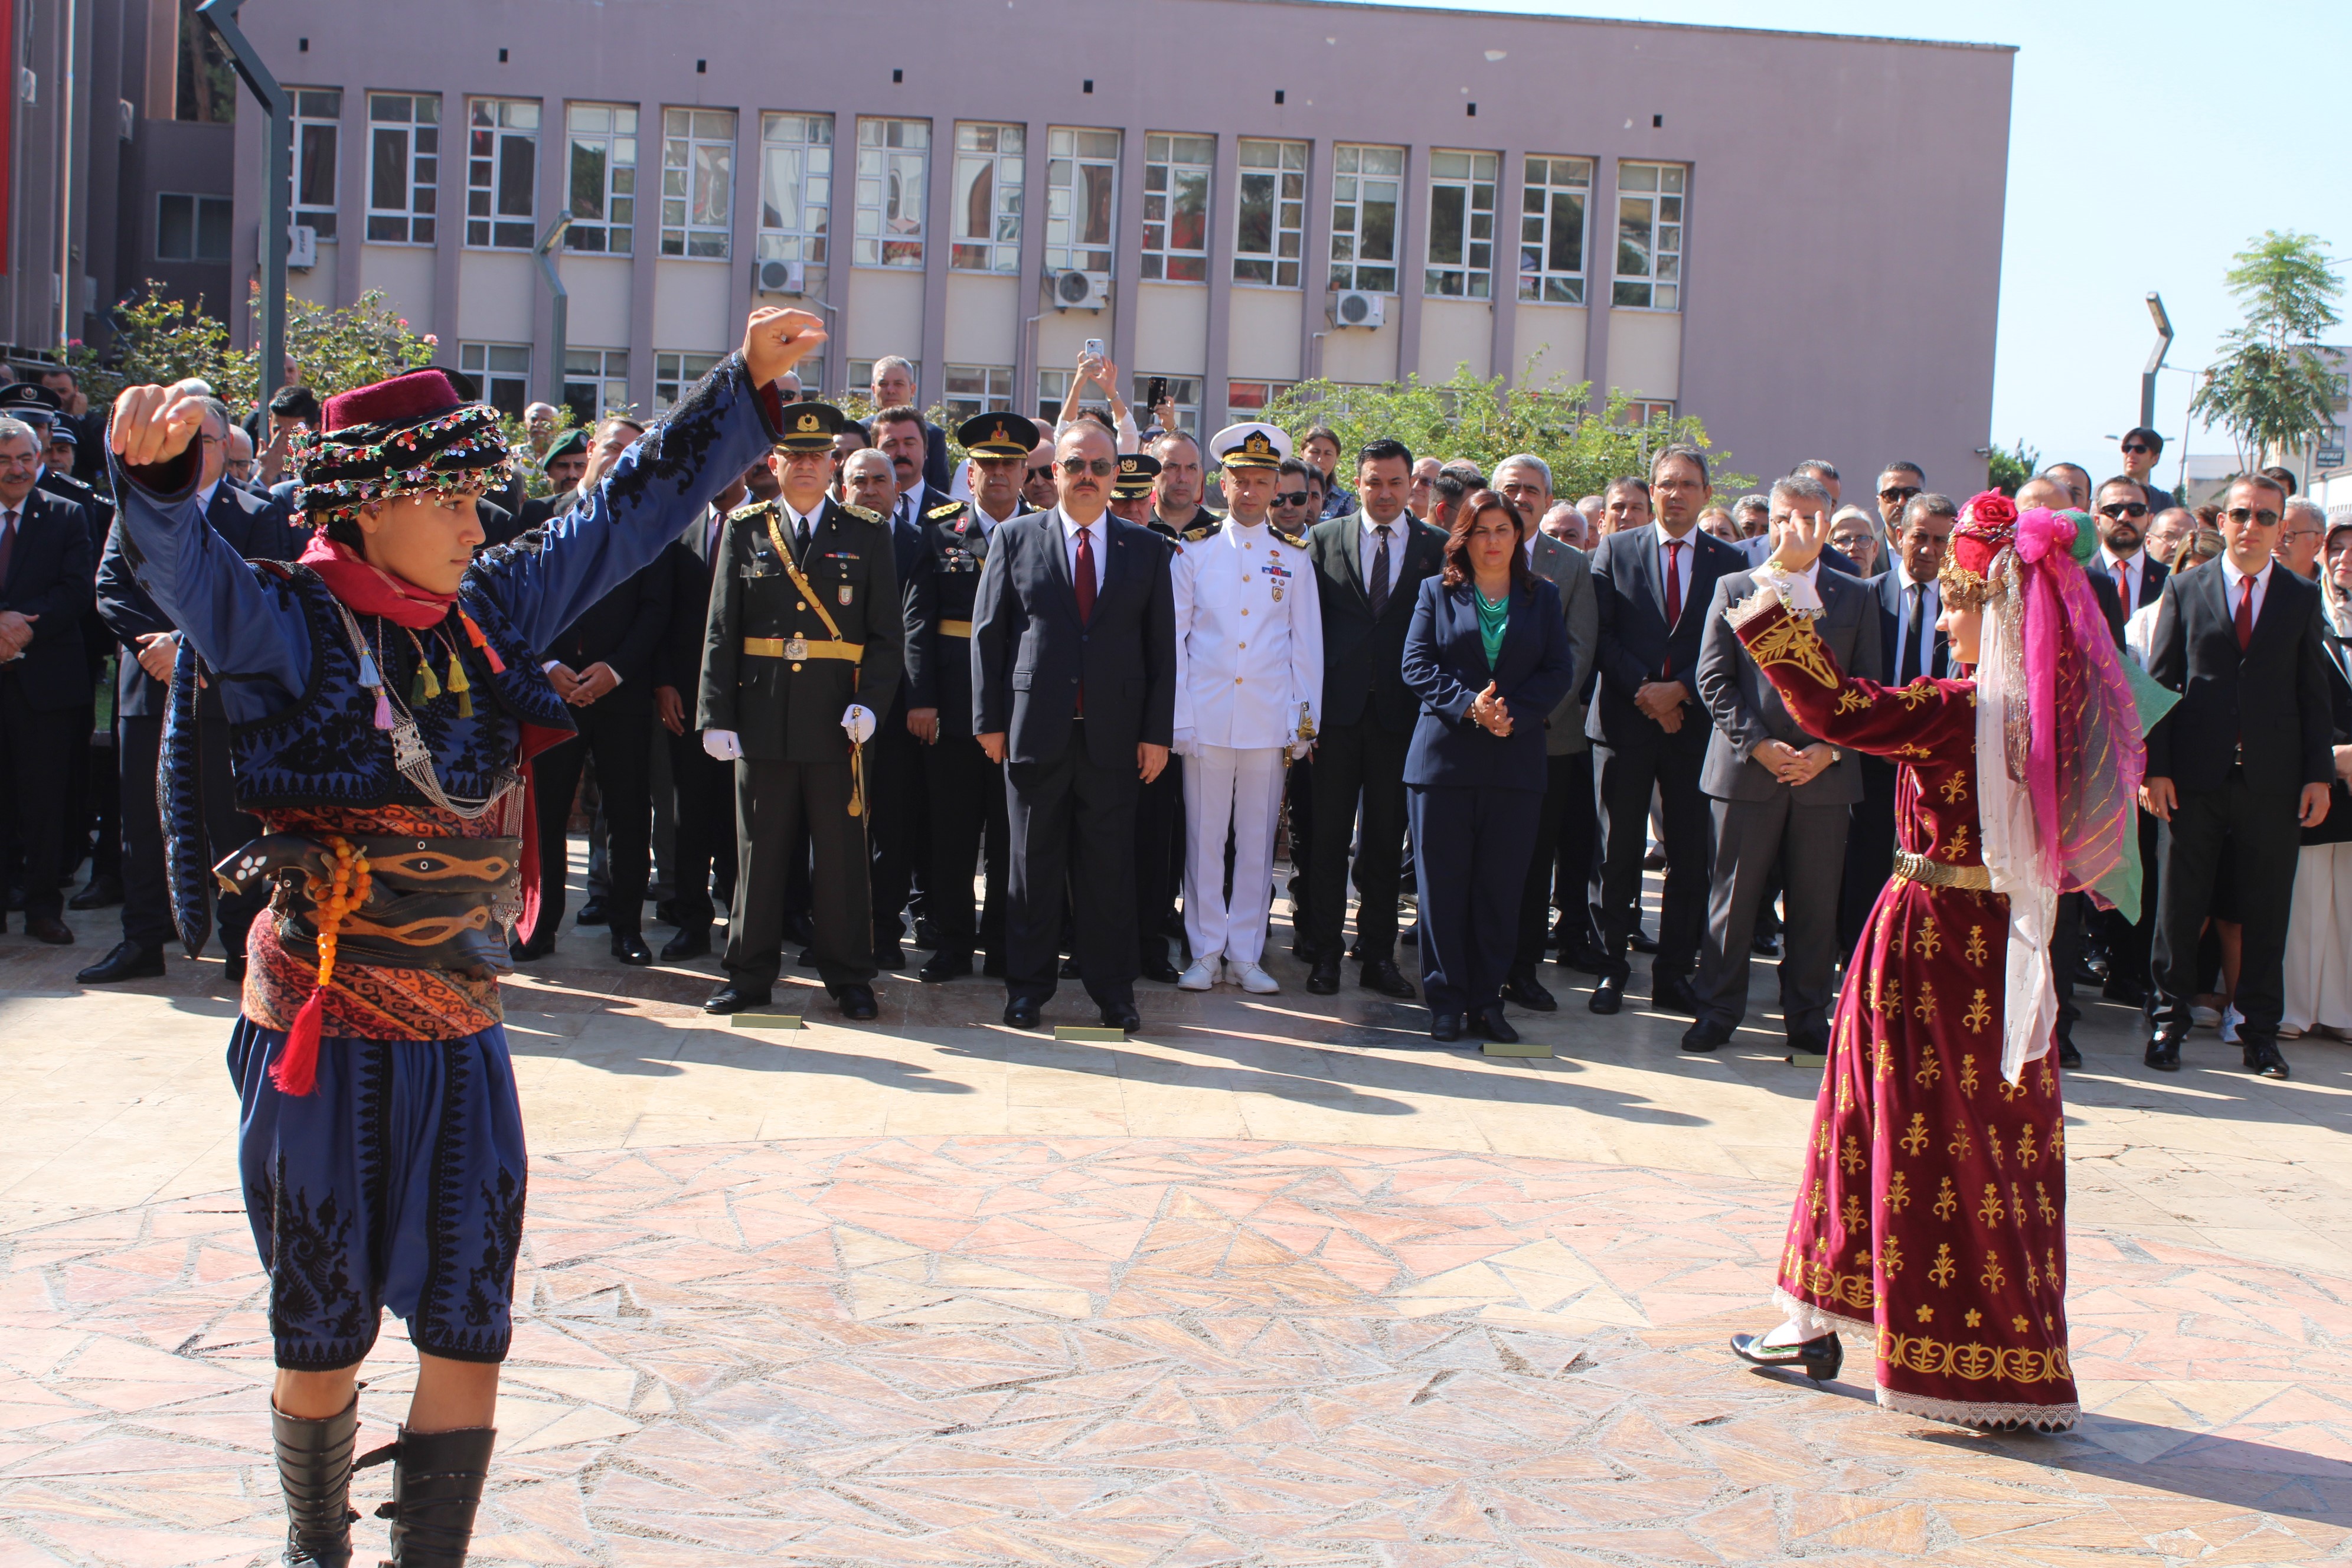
point(796, 646)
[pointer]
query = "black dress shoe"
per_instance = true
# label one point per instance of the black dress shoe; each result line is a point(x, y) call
point(1706, 1036)
point(1445, 1028)
point(2068, 1057)
point(666, 912)
point(1586, 957)
point(1159, 969)
point(1493, 1026)
point(1526, 991)
point(101, 892)
point(2263, 1060)
point(48, 928)
point(691, 942)
point(1323, 980)
point(944, 965)
point(857, 1002)
point(630, 948)
point(1817, 1359)
point(993, 966)
point(2124, 989)
point(1673, 993)
point(2163, 1049)
point(890, 958)
point(129, 961)
point(1383, 976)
point(235, 968)
point(1765, 946)
point(808, 958)
point(1607, 996)
point(733, 998)
point(1639, 942)
point(1122, 1016)
point(591, 913)
point(927, 935)
point(1022, 1012)
point(523, 951)
point(801, 927)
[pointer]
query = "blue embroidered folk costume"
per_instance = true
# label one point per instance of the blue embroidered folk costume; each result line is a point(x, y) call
point(380, 732)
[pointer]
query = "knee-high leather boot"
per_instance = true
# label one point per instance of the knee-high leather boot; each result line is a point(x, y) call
point(436, 1485)
point(314, 1470)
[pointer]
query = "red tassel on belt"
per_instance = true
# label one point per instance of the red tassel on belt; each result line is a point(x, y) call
point(296, 1070)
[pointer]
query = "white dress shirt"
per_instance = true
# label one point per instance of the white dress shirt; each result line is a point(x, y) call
point(1249, 639)
point(2127, 571)
point(1100, 529)
point(989, 525)
point(795, 523)
point(1398, 529)
point(2232, 578)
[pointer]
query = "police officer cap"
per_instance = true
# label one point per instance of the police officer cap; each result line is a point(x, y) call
point(811, 427)
point(572, 443)
point(997, 435)
point(1135, 472)
point(63, 431)
point(30, 400)
point(1255, 445)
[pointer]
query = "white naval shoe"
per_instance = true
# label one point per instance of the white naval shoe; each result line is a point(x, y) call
point(1252, 979)
point(1200, 976)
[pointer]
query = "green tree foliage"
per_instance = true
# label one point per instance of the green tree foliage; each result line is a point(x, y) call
point(2271, 389)
point(161, 338)
point(1479, 419)
point(2006, 470)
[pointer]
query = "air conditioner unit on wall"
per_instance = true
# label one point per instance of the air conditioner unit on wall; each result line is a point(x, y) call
point(1075, 290)
point(780, 277)
point(1356, 307)
point(301, 247)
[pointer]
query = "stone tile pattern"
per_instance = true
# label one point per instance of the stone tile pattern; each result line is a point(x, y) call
point(1169, 1353)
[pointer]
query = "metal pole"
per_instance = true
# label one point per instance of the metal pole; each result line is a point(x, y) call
point(276, 180)
point(66, 289)
point(560, 313)
point(2155, 361)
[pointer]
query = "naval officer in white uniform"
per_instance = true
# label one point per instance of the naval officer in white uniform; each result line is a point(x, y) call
point(1249, 686)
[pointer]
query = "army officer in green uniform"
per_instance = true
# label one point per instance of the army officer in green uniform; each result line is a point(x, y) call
point(804, 646)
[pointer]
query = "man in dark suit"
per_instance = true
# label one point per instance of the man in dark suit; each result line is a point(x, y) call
point(1907, 605)
point(2125, 507)
point(1780, 797)
point(1369, 569)
point(966, 790)
point(802, 654)
point(703, 786)
point(257, 530)
point(2238, 768)
point(603, 666)
point(892, 385)
point(899, 828)
point(1652, 585)
point(46, 572)
point(1074, 687)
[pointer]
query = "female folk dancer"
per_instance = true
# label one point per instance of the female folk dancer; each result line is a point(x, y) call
point(1931, 1213)
point(385, 694)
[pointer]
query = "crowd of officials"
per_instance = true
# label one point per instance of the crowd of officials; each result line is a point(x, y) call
point(1078, 700)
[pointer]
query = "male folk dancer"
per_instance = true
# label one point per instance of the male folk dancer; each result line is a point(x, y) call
point(386, 693)
point(1249, 681)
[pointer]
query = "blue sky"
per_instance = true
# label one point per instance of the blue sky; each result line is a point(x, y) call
point(2148, 144)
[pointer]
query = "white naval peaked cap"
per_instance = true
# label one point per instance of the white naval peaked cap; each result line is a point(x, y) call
point(1252, 445)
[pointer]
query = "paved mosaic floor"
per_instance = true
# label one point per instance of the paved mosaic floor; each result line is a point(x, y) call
point(1156, 1352)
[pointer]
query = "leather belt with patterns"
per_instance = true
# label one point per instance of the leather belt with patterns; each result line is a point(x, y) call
point(1919, 869)
point(432, 903)
point(802, 648)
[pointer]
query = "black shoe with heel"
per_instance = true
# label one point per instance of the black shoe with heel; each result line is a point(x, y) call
point(314, 1471)
point(1817, 1359)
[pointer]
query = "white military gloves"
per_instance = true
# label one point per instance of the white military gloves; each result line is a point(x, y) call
point(724, 745)
point(858, 722)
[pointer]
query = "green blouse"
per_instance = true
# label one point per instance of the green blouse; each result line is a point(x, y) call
point(1493, 620)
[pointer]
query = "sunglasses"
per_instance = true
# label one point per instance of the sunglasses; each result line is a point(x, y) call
point(1898, 493)
point(1293, 498)
point(2123, 508)
point(1101, 467)
point(2136, 448)
point(2242, 515)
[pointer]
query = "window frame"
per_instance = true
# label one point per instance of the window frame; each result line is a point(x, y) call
point(1662, 258)
point(874, 242)
point(617, 182)
point(694, 150)
point(1477, 281)
point(500, 229)
point(995, 394)
point(611, 370)
point(1069, 254)
point(1279, 177)
point(1161, 168)
point(1540, 282)
point(419, 219)
point(475, 360)
point(1007, 168)
point(1240, 413)
point(1347, 173)
point(804, 239)
point(675, 370)
point(1187, 394)
point(220, 210)
point(310, 129)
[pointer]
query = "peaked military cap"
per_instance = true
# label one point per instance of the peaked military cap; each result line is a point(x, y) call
point(1135, 472)
point(998, 436)
point(810, 427)
point(1254, 444)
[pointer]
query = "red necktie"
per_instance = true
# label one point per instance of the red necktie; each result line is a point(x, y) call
point(1085, 587)
point(1673, 591)
point(2245, 613)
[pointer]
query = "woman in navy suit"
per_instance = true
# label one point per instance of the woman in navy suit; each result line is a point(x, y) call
point(1487, 654)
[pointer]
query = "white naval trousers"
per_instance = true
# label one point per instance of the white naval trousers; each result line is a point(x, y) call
point(1240, 788)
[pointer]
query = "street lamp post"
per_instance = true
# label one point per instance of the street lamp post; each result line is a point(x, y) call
point(2155, 361)
point(276, 180)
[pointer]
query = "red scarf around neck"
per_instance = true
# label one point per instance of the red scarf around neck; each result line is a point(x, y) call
point(371, 590)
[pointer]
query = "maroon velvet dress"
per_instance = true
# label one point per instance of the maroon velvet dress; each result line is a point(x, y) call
point(1932, 1210)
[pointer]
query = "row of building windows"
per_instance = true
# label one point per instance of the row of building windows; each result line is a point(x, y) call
point(890, 202)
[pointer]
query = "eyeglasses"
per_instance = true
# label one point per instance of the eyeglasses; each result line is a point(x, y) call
point(1293, 498)
point(1896, 493)
point(1101, 467)
point(2136, 448)
point(2242, 515)
point(2123, 508)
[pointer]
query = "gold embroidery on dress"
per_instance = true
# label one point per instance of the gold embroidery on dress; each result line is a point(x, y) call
point(2042, 1204)
point(1962, 1144)
point(1992, 1276)
point(1958, 847)
point(1852, 701)
point(1956, 787)
point(1943, 1267)
point(1855, 1214)
point(1890, 1257)
point(1969, 1071)
point(2026, 1151)
point(1898, 1192)
point(1926, 1007)
point(1992, 1144)
point(1990, 1212)
point(1978, 1014)
point(1794, 642)
point(1948, 1202)
point(1930, 942)
point(1976, 952)
point(1929, 1069)
point(1916, 1138)
point(1851, 1159)
point(1916, 695)
point(1976, 1363)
